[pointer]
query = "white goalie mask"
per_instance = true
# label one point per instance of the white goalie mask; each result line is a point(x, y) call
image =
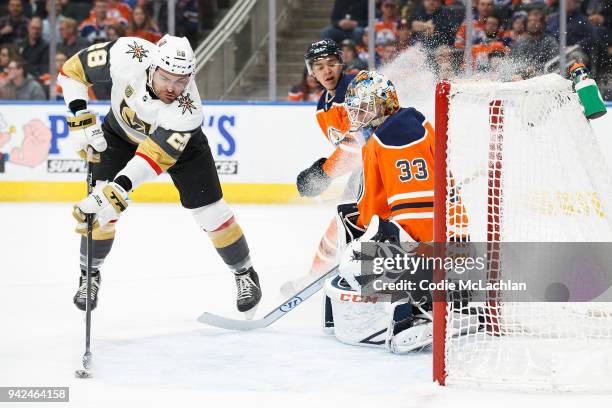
point(174, 55)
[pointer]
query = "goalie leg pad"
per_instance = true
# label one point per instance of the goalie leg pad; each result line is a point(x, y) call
point(328, 316)
point(357, 320)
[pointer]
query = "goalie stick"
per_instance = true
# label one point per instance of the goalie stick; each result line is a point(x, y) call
point(278, 312)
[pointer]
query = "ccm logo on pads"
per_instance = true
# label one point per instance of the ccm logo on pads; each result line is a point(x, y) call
point(345, 297)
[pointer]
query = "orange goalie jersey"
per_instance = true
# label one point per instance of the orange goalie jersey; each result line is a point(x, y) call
point(398, 176)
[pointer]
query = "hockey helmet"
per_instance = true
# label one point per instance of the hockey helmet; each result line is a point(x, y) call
point(370, 98)
point(175, 55)
point(322, 49)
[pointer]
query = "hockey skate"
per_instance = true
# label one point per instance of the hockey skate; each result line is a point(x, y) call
point(413, 333)
point(249, 292)
point(80, 297)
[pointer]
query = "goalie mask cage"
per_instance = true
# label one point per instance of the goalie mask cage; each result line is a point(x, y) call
point(528, 168)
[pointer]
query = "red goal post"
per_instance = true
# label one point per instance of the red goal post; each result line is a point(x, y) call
point(528, 168)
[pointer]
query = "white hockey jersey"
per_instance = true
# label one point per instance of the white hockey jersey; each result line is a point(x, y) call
point(145, 120)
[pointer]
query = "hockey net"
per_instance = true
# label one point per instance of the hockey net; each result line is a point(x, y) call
point(528, 168)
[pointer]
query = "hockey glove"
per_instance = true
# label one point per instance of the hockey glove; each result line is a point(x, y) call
point(313, 181)
point(355, 253)
point(107, 202)
point(86, 131)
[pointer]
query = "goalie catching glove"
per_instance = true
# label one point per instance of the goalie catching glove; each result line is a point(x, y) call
point(106, 203)
point(85, 131)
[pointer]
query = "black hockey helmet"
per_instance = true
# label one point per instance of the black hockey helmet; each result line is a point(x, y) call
point(322, 49)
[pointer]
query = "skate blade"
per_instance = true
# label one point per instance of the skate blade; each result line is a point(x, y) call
point(83, 374)
point(250, 314)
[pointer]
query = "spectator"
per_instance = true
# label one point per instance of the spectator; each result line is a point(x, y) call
point(504, 9)
point(45, 79)
point(120, 11)
point(349, 19)
point(432, 24)
point(187, 21)
point(21, 86)
point(35, 50)
point(93, 28)
point(534, 50)
point(518, 25)
point(114, 32)
point(14, 26)
point(579, 28)
point(142, 26)
point(350, 55)
point(599, 13)
point(445, 62)
point(58, 17)
point(71, 42)
point(307, 90)
point(8, 52)
point(491, 42)
point(386, 28)
point(207, 10)
point(388, 54)
point(483, 10)
point(76, 9)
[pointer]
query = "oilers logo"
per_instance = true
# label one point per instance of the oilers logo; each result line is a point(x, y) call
point(335, 136)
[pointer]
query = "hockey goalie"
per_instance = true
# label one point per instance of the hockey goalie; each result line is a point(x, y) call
point(394, 206)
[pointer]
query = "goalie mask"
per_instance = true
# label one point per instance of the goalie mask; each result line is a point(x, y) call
point(174, 55)
point(370, 97)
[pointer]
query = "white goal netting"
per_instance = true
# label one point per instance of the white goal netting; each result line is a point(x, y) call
point(528, 168)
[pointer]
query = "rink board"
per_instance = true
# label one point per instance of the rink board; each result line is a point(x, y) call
point(259, 149)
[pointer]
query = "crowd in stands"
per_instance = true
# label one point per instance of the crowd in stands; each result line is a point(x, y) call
point(25, 34)
point(511, 39)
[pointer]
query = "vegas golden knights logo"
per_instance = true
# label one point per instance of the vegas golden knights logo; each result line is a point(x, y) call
point(132, 120)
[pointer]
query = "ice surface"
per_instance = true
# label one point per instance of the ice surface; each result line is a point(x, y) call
point(148, 348)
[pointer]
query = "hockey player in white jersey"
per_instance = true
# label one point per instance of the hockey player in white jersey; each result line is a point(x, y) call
point(153, 126)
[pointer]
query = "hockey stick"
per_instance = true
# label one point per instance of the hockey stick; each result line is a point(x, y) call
point(278, 312)
point(87, 357)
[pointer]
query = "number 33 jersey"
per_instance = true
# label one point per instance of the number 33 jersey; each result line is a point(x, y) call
point(161, 130)
point(398, 177)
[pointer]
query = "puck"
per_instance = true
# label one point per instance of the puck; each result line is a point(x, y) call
point(82, 374)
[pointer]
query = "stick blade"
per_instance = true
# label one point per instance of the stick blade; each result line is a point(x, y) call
point(212, 319)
